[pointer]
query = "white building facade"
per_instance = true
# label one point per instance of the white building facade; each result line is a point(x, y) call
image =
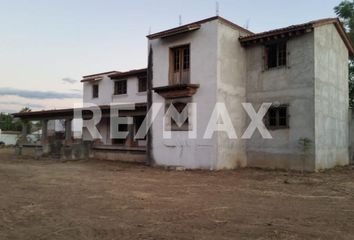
point(114, 88)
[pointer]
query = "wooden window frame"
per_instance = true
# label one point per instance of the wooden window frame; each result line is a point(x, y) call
point(277, 125)
point(95, 91)
point(142, 87)
point(179, 64)
point(281, 55)
point(117, 91)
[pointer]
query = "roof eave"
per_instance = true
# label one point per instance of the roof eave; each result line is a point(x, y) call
point(92, 79)
point(179, 30)
point(174, 32)
point(100, 74)
point(345, 37)
point(297, 30)
point(131, 73)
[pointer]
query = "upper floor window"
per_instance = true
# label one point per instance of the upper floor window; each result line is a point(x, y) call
point(275, 55)
point(95, 91)
point(142, 85)
point(277, 117)
point(120, 87)
point(179, 65)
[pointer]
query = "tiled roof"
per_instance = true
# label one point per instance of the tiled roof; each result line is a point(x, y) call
point(297, 30)
point(59, 113)
point(99, 74)
point(96, 77)
point(194, 26)
point(130, 73)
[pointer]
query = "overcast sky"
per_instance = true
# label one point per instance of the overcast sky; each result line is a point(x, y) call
point(47, 45)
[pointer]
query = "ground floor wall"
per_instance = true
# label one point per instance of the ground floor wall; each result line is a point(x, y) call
point(8, 139)
point(181, 150)
point(286, 161)
point(291, 146)
point(104, 129)
point(123, 156)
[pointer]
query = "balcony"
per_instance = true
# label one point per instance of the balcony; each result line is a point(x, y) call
point(177, 91)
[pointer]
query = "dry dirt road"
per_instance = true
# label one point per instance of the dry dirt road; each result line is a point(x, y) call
point(48, 199)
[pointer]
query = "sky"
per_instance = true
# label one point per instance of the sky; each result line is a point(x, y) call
point(47, 46)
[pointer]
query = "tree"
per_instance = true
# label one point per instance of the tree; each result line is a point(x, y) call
point(26, 122)
point(345, 12)
point(8, 123)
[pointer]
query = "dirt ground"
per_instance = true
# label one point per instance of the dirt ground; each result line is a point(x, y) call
point(49, 199)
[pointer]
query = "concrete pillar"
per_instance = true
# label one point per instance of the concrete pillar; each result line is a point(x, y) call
point(130, 139)
point(68, 131)
point(23, 138)
point(44, 140)
point(44, 131)
point(24, 128)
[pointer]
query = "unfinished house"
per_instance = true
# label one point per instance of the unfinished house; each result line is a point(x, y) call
point(302, 70)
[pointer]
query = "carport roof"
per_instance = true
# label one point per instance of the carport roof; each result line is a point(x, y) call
point(69, 112)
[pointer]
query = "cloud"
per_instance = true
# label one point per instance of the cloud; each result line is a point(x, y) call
point(37, 94)
point(15, 106)
point(33, 105)
point(29, 105)
point(76, 90)
point(4, 110)
point(69, 80)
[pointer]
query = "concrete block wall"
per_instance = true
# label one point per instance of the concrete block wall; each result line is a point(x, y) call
point(351, 136)
point(292, 85)
point(331, 98)
point(231, 90)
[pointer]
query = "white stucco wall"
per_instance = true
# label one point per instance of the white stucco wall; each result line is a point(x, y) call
point(106, 90)
point(331, 98)
point(231, 90)
point(9, 138)
point(132, 96)
point(181, 151)
point(106, 97)
point(292, 85)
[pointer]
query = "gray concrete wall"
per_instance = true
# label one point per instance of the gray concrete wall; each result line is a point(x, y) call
point(331, 98)
point(351, 136)
point(292, 85)
point(123, 156)
point(231, 90)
